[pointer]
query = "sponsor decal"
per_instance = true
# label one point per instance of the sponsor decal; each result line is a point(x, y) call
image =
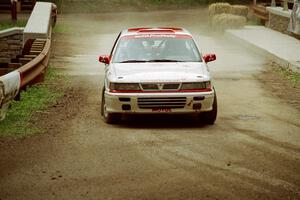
point(155, 36)
point(162, 110)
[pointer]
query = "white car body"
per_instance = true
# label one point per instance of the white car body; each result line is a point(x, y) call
point(165, 81)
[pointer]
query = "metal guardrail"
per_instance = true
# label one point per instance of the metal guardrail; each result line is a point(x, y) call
point(33, 71)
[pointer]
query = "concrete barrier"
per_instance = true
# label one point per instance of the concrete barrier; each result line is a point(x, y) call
point(39, 22)
point(9, 88)
point(261, 40)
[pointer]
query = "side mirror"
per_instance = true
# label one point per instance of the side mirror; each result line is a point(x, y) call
point(209, 57)
point(104, 59)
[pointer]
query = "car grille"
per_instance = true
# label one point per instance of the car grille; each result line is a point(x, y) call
point(149, 86)
point(160, 86)
point(161, 102)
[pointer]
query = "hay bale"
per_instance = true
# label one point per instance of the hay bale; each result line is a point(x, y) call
point(239, 10)
point(218, 8)
point(223, 21)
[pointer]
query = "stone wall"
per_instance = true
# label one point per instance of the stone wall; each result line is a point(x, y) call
point(279, 19)
point(11, 42)
point(279, 23)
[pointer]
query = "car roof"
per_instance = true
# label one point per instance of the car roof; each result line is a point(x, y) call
point(155, 30)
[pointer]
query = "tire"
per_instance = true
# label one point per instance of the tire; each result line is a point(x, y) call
point(211, 116)
point(109, 118)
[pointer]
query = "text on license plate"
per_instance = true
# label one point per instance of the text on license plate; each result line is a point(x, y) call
point(162, 110)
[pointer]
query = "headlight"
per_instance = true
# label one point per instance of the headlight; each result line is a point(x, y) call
point(124, 87)
point(197, 86)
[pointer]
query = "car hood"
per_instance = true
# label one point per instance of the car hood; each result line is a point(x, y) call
point(158, 72)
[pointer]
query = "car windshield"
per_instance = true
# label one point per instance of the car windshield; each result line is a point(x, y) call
point(156, 49)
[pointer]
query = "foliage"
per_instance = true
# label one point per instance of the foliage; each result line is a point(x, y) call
point(61, 28)
point(291, 76)
point(9, 24)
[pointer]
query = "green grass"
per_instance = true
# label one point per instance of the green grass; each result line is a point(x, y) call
point(61, 28)
point(18, 119)
point(292, 77)
point(9, 24)
point(253, 22)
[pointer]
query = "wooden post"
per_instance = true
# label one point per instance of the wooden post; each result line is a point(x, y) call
point(273, 3)
point(14, 10)
point(33, 4)
point(285, 5)
point(254, 2)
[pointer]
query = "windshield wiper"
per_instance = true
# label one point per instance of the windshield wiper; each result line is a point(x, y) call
point(133, 61)
point(164, 60)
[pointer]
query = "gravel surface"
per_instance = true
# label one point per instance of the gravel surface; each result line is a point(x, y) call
point(252, 152)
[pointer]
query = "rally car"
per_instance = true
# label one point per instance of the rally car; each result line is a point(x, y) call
point(157, 70)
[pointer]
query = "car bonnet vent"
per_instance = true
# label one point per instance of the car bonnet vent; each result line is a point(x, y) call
point(156, 31)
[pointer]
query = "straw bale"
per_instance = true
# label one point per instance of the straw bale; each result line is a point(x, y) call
point(218, 8)
point(222, 22)
point(239, 10)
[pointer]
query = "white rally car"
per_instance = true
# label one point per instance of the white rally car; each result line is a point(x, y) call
point(157, 70)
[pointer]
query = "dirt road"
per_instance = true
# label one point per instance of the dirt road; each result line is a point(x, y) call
point(252, 152)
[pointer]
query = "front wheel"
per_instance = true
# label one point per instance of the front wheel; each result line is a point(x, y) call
point(109, 118)
point(211, 116)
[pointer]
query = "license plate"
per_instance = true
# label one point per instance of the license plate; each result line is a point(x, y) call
point(162, 110)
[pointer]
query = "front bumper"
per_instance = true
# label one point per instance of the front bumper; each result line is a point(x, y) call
point(152, 103)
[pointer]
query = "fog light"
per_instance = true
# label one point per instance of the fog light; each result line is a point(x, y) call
point(126, 107)
point(200, 98)
point(197, 106)
point(124, 99)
